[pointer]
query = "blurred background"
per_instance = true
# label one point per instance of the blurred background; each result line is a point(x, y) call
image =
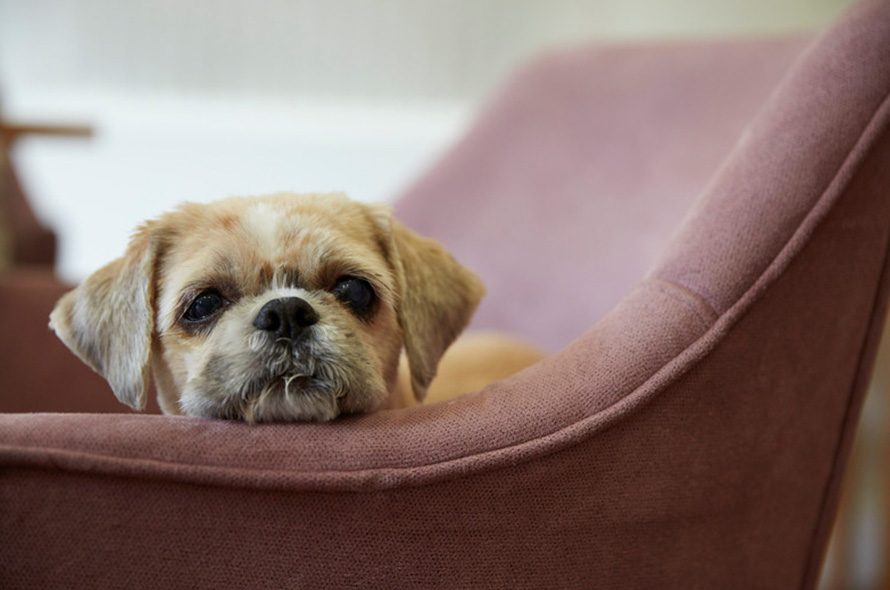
point(201, 99)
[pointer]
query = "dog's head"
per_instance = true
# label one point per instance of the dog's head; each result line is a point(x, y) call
point(287, 307)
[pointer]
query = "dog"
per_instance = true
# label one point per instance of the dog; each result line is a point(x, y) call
point(281, 308)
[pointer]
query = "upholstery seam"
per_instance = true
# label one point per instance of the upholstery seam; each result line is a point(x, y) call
point(836, 472)
point(702, 309)
point(835, 475)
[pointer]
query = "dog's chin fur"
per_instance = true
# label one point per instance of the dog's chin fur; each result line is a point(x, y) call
point(130, 318)
point(283, 399)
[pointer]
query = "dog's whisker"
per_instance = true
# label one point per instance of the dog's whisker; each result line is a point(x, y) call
point(288, 381)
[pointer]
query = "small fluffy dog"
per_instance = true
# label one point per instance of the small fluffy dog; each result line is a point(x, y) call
point(280, 308)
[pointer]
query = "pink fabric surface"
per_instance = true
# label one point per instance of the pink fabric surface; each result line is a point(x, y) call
point(693, 437)
point(575, 177)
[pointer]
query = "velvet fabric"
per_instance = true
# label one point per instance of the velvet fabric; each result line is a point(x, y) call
point(692, 436)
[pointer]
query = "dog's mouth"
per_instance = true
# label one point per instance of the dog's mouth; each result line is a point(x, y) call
point(272, 396)
point(292, 395)
point(300, 383)
point(295, 382)
point(283, 385)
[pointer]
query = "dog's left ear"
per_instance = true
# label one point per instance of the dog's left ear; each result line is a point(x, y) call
point(438, 296)
point(108, 320)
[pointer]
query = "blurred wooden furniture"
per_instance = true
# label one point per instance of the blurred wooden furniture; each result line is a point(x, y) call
point(37, 373)
point(26, 241)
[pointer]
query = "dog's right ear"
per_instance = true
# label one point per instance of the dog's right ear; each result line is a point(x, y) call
point(438, 295)
point(108, 320)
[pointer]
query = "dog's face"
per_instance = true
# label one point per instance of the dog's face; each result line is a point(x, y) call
point(288, 307)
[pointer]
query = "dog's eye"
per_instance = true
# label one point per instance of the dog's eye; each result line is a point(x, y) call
point(205, 305)
point(356, 293)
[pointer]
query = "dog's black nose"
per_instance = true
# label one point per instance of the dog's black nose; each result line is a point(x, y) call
point(286, 317)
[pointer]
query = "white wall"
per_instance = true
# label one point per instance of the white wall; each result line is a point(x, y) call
point(351, 48)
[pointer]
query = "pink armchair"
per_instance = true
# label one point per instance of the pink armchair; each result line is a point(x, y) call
point(690, 432)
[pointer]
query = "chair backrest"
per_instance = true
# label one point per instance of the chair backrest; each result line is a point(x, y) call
point(569, 185)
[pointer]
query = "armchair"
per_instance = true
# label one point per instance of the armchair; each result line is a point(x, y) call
point(690, 429)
